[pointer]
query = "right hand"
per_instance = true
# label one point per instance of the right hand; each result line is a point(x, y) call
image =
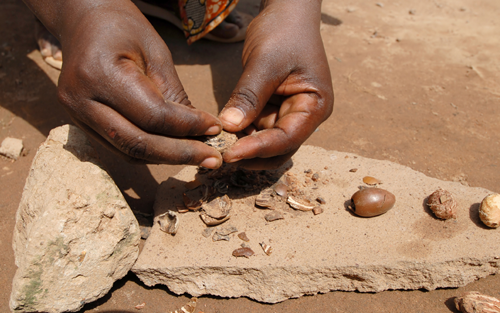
point(119, 84)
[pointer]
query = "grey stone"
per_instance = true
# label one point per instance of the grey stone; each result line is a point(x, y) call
point(11, 148)
point(74, 235)
point(405, 248)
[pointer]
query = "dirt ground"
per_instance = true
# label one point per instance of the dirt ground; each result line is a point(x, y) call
point(416, 82)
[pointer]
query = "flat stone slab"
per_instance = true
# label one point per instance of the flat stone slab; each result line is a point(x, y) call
point(406, 248)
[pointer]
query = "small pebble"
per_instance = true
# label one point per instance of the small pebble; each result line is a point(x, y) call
point(315, 177)
point(379, 4)
point(11, 148)
point(321, 200)
point(353, 170)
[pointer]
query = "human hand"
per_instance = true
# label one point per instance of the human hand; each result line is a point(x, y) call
point(283, 57)
point(119, 84)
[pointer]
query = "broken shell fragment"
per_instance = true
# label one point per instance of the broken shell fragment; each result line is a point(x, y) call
point(474, 302)
point(267, 248)
point(221, 186)
point(300, 204)
point(320, 200)
point(192, 184)
point(317, 210)
point(207, 232)
point(210, 221)
point(264, 198)
point(220, 237)
point(281, 190)
point(370, 202)
point(371, 181)
point(243, 236)
point(194, 198)
point(189, 307)
point(273, 216)
point(227, 230)
point(218, 208)
point(222, 141)
point(243, 252)
point(489, 211)
point(443, 205)
point(169, 222)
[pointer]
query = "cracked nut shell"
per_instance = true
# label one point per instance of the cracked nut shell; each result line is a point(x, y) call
point(474, 302)
point(369, 202)
point(489, 211)
point(442, 203)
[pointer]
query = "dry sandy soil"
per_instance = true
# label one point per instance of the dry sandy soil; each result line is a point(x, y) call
point(419, 88)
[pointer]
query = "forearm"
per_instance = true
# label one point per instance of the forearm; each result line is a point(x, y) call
point(63, 16)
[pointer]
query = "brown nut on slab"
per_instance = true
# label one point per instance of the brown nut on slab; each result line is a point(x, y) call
point(443, 205)
point(474, 302)
point(370, 202)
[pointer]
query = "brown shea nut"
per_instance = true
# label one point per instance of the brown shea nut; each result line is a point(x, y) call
point(474, 302)
point(489, 211)
point(443, 205)
point(370, 202)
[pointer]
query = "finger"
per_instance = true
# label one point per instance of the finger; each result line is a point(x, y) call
point(258, 164)
point(299, 117)
point(267, 117)
point(139, 99)
point(137, 144)
point(256, 85)
point(105, 143)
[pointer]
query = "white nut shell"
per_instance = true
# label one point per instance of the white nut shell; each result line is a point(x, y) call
point(489, 212)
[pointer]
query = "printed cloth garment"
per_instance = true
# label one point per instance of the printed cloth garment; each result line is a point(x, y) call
point(201, 16)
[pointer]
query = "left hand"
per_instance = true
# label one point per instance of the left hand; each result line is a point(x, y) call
point(283, 56)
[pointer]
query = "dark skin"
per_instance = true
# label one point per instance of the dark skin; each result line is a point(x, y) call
point(118, 82)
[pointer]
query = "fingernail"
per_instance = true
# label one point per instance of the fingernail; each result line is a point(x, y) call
point(211, 162)
point(213, 130)
point(233, 116)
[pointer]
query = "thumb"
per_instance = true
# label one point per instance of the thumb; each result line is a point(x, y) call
point(256, 85)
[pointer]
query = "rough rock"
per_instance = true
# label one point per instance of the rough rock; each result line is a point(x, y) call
point(405, 248)
point(11, 148)
point(74, 235)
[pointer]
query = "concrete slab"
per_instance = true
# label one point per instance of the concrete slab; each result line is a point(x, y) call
point(406, 248)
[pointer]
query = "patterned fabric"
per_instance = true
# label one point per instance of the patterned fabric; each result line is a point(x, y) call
point(201, 16)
